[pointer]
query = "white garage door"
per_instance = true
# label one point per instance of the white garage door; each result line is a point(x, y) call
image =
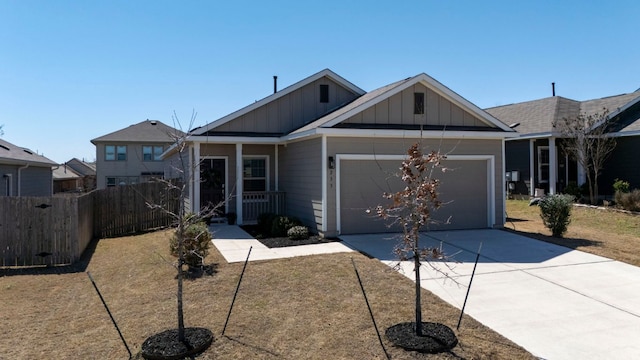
point(464, 190)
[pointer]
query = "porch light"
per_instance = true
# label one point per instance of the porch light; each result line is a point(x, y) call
point(331, 163)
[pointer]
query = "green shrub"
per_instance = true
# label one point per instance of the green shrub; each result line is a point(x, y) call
point(628, 200)
point(265, 222)
point(298, 233)
point(282, 224)
point(573, 189)
point(620, 186)
point(197, 240)
point(555, 211)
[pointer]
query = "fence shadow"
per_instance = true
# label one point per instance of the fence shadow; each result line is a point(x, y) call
point(77, 267)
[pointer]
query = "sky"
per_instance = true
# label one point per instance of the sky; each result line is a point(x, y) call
point(72, 71)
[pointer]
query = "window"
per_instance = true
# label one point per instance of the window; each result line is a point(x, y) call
point(255, 174)
point(418, 103)
point(121, 180)
point(324, 93)
point(151, 153)
point(113, 152)
point(543, 164)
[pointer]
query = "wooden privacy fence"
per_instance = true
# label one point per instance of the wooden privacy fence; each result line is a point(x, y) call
point(56, 230)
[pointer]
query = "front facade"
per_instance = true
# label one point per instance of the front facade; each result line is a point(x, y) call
point(132, 155)
point(24, 172)
point(535, 162)
point(324, 150)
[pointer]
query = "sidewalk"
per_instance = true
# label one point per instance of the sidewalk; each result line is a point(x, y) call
point(234, 243)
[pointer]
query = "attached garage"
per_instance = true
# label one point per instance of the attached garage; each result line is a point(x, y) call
point(466, 190)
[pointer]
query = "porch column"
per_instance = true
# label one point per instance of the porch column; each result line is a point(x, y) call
point(582, 175)
point(277, 186)
point(532, 178)
point(239, 189)
point(553, 166)
point(196, 178)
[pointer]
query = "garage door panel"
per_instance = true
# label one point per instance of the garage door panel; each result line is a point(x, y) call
point(463, 189)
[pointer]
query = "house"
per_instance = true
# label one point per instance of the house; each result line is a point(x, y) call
point(66, 180)
point(535, 158)
point(87, 170)
point(132, 155)
point(324, 150)
point(24, 172)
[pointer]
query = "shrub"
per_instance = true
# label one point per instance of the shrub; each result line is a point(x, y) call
point(629, 201)
point(282, 224)
point(298, 233)
point(573, 189)
point(620, 186)
point(265, 222)
point(555, 211)
point(196, 242)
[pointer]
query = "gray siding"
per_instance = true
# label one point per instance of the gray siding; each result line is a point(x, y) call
point(290, 111)
point(301, 179)
point(622, 164)
point(134, 166)
point(517, 158)
point(36, 181)
point(399, 108)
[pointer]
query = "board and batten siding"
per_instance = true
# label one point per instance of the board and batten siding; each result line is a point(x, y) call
point(290, 111)
point(301, 180)
point(394, 146)
point(399, 109)
point(36, 181)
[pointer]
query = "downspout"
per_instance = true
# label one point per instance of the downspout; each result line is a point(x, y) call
point(19, 177)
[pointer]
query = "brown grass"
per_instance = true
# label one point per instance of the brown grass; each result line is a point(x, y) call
point(602, 232)
point(300, 308)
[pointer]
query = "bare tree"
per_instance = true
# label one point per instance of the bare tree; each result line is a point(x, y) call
point(586, 139)
point(411, 208)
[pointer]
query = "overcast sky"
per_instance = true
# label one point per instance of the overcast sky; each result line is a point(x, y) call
point(71, 71)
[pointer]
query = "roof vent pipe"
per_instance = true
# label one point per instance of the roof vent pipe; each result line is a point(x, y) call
point(275, 84)
point(553, 89)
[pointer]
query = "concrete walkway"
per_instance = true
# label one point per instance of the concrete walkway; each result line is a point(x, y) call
point(234, 243)
point(556, 302)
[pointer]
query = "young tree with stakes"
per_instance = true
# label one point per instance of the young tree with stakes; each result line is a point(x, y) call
point(412, 208)
point(586, 140)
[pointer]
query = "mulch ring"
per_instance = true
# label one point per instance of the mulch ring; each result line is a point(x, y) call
point(165, 345)
point(436, 337)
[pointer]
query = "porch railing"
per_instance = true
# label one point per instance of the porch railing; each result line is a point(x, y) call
point(255, 203)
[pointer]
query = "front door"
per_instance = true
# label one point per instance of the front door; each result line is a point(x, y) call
point(212, 185)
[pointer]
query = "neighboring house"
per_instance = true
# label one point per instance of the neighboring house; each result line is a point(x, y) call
point(24, 173)
point(132, 155)
point(87, 170)
point(536, 154)
point(331, 149)
point(66, 180)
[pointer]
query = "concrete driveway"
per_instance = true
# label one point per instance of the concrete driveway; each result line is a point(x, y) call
point(556, 302)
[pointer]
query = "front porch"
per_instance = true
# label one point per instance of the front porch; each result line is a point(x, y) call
point(255, 203)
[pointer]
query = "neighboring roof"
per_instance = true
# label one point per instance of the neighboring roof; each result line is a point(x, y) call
point(536, 118)
point(82, 167)
point(289, 89)
point(16, 155)
point(380, 94)
point(148, 131)
point(65, 173)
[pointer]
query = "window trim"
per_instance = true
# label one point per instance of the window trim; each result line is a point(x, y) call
point(266, 171)
point(541, 164)
point(154, 156)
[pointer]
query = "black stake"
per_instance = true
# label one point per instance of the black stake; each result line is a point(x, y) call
point(469, 288)
point(236, 293)
point(369, 307)
point(109, 312)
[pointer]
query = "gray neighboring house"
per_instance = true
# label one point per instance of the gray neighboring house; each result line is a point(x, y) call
point(87, 170)
point(132, 155)
point(325, 151)
point(24, 173)
point(536, 155)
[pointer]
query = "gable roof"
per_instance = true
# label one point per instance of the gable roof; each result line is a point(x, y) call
point(82, 167)
point(382, 93)
point(535, 118)
point(289, 89)
point(151, 131)
point(16, 155)
point(64, 172)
